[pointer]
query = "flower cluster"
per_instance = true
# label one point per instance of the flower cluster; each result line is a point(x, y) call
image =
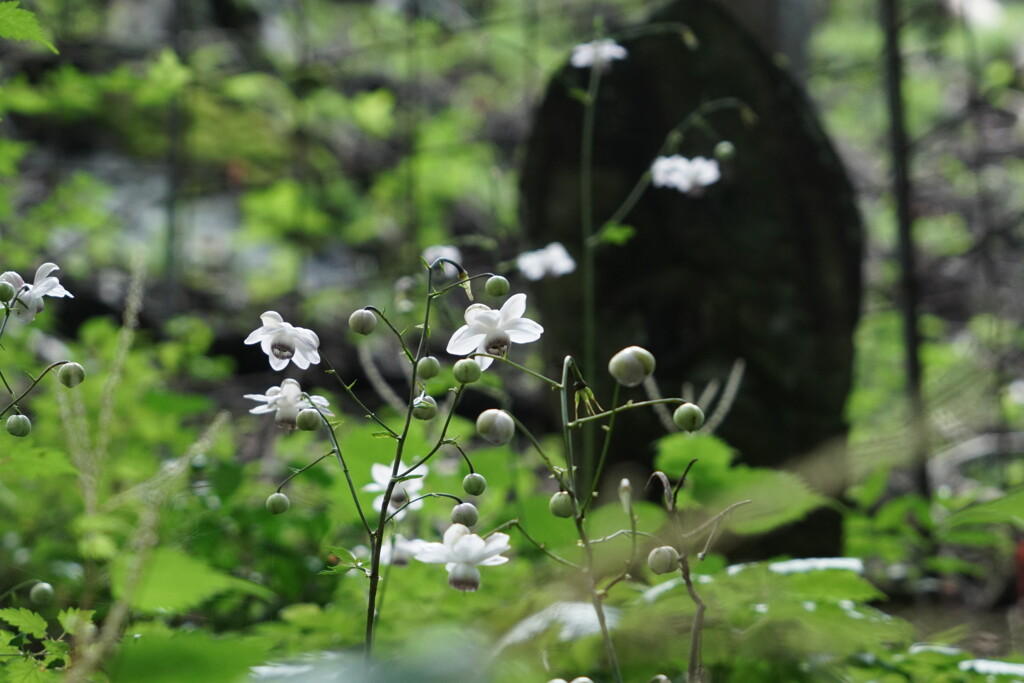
point(689, 176)
point(27, 300)
point(553, 260)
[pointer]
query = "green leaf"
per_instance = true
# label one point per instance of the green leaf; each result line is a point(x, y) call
point(20, 24)
point(776, 497)
point(28, 670)
point(616, 234)
point(71, 619)
point(174, 582)
point(346, 562)
point(159, 658)
point(677, 450)
point(25, 620)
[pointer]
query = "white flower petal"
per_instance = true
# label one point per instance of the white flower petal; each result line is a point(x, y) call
point(513, 308)
point(464, 341)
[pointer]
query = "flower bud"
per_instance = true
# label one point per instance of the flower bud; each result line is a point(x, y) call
point(71, 374)
point(278, 503)
point(362, 321)
point(660, 678)
point(474, 484)
point(496, 426)
point(663, 560)
point(688, 417)
point(41, 594)
point(308, 420)
point(467, 371)
point(582, 679)
point(428, 367)
point(725, 151)
point(631, 366)
point(561, 504)
point(19, 425)
point(7, 291)
point(496, 286)
point(424, 408)
point(626, 495)
point(465, 514)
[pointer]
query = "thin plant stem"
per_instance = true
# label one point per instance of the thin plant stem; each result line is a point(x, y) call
point(629, 405)
point(32, 386)
point(515, 523)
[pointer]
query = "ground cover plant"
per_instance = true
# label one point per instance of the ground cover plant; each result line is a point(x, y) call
point(325, 444)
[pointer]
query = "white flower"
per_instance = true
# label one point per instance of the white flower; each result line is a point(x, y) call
point(404, 490)
point(286, 400)
point(993, 667)
point(490, 331)
point(31, 300)
point(462, 552)
point(552, 260)
point(689, 176)
point(432, 253)
point(597, 53)
point(283, 342)
point(400, 550)
point(810, 564)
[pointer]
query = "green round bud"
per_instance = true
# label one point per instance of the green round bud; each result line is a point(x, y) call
point(278, 503)
point(465, 513)
point(41, 594)
point(19, 425)
point(688, 417)
point(7, 291)
point(725, 151)
point(496, 285)
point(663, 560)
point(561, 504)
point(631, 366)
point(308, 420)
point(424, 408)
point(362, 321)
point(71, 374)
point(474, 484)
point(428, 367)
point(467, 371)
point(496, 426)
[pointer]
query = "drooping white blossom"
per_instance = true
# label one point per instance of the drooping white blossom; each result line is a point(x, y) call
point(462, 552)
point(689, 176)
point(286, 401)
point(283, 342)
point(404, 490)
point(30, 296)
point(553, 260)
point(597, 53)
point(490, 331)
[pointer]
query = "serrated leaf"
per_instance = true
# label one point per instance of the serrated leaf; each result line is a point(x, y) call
point(776, 498)
point(346, 561)
point(28, 670)
point(71, 619)
point(175, 582)
point(21, 24)
point(25, 620)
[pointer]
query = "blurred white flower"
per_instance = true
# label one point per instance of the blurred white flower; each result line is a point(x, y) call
point(432, 253)
point(552, 260)
point(31, 296)
point(992, 667)
point(462, 552)
point(283, 342)
point(813, 564)
point(980, 13)
point(286, 401)
point(490, 331)
point(597, 53)
point(689, 176)
point(404, 490)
